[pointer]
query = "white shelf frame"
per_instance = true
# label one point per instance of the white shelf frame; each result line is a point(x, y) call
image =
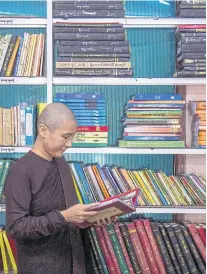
point(137, 22)
point(116, 150)
point(22, 22)
point(172, 210)
point(23, 80)
point(127, 81)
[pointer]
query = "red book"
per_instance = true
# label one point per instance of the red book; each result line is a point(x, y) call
point(197, 239)
point(202, 233)
point(154, 247)
point(146, 246)
point(192, 26)
point(111, 250)
point(93, 129)
point(121, 241)
point(105, 250)
point(138, 249)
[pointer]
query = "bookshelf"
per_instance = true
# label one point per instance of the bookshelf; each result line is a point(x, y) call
point(50, 81)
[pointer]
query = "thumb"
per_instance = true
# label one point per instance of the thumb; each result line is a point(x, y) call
point(91, 205)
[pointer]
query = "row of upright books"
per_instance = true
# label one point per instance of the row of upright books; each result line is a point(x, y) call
point(22, 56)
point(191, 9)
point(4, 169)
point(191, 51)
point(18, 125)
point(143, 246)
point(98, 50)
point(89, 9)
point(91, 116)
point(94, 183)
point(153, 120)
point(198, 126)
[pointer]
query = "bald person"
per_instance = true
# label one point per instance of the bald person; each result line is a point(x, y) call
point(42, 211)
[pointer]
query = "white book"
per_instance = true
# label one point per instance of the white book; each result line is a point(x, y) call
point(19, 71)
point(27, 54)
point(37, 55)
point(42, 55)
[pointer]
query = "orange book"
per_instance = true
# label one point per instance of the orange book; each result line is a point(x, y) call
point(202, 143)
point(13, 57)
point(202, 123)
point(202, 138)
point(200, 111)
point(100, 182)
point(200, 105)
point(202, 133)
point(202, 117)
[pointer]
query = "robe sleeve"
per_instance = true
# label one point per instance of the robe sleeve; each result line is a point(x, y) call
point(19, 223)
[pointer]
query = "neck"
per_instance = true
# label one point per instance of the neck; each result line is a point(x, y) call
point(40, 151)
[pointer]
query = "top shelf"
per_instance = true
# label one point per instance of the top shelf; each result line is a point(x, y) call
point(128, 22)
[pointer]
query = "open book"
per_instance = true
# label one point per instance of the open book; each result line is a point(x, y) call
point(115, 206)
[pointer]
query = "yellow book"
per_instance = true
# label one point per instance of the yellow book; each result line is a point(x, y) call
point(144, 188)
point(11, 256)
point(178, 191)
point(30, 61)
point(29, 54)
point(3, 254)
point(128, 179)
point(40, 107)
point(77, 190)
point(13, 57)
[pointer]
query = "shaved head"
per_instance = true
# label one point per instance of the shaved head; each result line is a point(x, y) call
point(54, 114)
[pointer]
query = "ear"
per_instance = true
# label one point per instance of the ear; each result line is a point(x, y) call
point(43, 130)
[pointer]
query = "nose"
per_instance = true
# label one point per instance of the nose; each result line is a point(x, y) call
point(68, 143)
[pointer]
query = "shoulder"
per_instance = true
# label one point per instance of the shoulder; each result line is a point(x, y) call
point(22, 165)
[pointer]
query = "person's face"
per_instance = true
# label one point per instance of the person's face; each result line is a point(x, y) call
point(55, 142)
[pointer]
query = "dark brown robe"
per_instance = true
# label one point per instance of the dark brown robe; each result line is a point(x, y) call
point(36, 191)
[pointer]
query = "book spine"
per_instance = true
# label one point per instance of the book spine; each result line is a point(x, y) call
point(117, 248)
point(84, 59)
point(163, 250)
point(146, 246)
point(94, 240)
point(82, 96)
point(193, 40)
point(95, 55)
point(8, 55)
point(100, 49)
point(95, 72)
point(100, 182)
point(94, 43)
point(111, 250)
point(93, 129)
point(170, 249)
point(185, 249)
point(157, 97)
point(154, 247)
point(138, 249)
point(123, 248)
point(89, 37)
point(86, 6)
point(87, 30)
point(202, 233)
point(194, 250)
point(29, 125)
point(77, 65)
point(129, 247)
point(18, 57)
point(195, 235)
point(89, 14)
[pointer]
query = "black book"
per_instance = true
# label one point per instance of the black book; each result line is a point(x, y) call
point(191, 13)
point(89, 25)
point(195, 2)
point(192, 40)
point(100, 49)
point(191, 48)
point(177, 249)
point(194, 250)
point(191, 68)
point(94, 43)
point(190, 34)
point(163, 249)
point(170, 249)
point(94, 72)
point(89, 36)
point(129, 247)
point(78, 59)
point(193, 30)
point(90, 1)
point(92, 55)
point(86, 6)
point(191, 61)
point(185, 249)
point(191, 55)
point(89, 14)
point(87, 30)
point(195, 64)
point(185, 73)
point(190, 6)
point(8, 55)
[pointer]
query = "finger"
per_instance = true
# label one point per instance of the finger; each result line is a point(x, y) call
point(98, 223)
point(115, 219)
point(109, 221)
point(91, 205)
point(103, 221)
point(89, 213)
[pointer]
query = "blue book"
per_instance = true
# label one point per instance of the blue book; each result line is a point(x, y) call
point(79, 101)
point(151, 138)
point(92, 108)
point(30, 126)
point(137, 105)
point(91, 124)
point(157, 97)
point(89, 112)
point(111, 179)
point(84, 96)
point(84, 181)
point(18, 57)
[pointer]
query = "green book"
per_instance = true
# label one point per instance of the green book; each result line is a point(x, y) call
point(117, 249)
point(4, 174)
point(151, 144)
point(98, 249)
point(79, 145)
